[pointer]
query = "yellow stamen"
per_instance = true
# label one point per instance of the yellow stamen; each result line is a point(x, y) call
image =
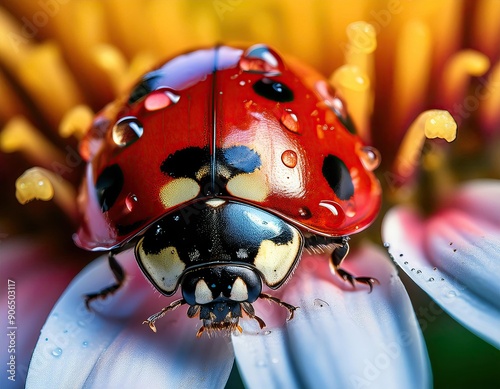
point(113, 63)
point(48, 80)
point(457, 72)
point(485, 30)
point(431, 124)
point(362, 39)
point(41, 184)
point(76, 122)
point(354, 87)
point(491, 94)
point(20, 135)
point(411, 76)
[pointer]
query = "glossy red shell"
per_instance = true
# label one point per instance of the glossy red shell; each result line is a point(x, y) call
point(206, 100)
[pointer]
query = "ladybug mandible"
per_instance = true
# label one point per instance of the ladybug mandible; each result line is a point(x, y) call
point(220, 167)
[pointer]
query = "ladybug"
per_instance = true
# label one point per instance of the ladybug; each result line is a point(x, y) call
point(220, 167)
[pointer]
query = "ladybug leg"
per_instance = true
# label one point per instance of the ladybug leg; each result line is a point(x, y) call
point(337, 257)
point(119, 275)
point(291, 309)
point(158, 315)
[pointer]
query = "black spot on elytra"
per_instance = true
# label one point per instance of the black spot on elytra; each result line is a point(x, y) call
point(273, 90)
point(186, 162)
point(149, 83)
point(337, 175)
point(108, 186)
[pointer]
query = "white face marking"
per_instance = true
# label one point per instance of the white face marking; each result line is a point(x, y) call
point(178, 191)
point(164, 268)
point(274, 261)
point(239, 291)
point(202, 293)
point(252, 186)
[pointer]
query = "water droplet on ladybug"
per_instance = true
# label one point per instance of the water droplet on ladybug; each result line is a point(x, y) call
point(305, 213)
point(290, 121)
point(350, 209)
point(160, 99)
point(130, 201)
point(127, 130)
point(370, 157)
point(262, 60)
point(333, 207)
point(289, 158)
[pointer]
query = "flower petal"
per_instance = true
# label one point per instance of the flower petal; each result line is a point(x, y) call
point(339, 337)
point(78, 348)
point(26, 265)
point(454, 256)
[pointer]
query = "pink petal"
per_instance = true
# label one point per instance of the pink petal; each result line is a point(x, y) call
point(339, 337)
point(37, 279)
point(454, 256)
point(111, 348)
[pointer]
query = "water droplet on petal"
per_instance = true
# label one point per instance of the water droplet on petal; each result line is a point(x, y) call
point(130, 201)
point(289, 158)
point(268, 332)
point(160, 99)
point(419, 271)
point(275, 360)
point(406, 262)
point(451, 294)
point(57, 352)
point(262, 60)
point(126, 131)
point(85, 343)
point(370, 157)
point(320, 303)
point(290, 121)
point(431, 279)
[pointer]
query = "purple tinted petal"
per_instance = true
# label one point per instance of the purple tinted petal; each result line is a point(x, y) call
point(339, 337)
point(454, 257)
point(111, 348)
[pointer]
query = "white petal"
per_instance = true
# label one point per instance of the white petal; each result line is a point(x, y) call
point(340, 337)
point(455, 258)
point(113, 349)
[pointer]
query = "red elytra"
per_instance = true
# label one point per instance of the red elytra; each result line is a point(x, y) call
point(230, 123)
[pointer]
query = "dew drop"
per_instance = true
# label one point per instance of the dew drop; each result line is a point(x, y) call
point(289, 158)
point(350, 209)
point(275, 360)
point(451, 294)
point(242, 83)
point(85, 343)
point(431, 279)
point(130, 201)
point(320, 303)
point(434, 268)
point(305, 213)
point(387, 245)
point(268, 332)
point(126, 131)
point(406, 262)
point(419, 271)
point(81, 323)
point(290, 121)
point(412, 269)
point(160, 99)
point(261, 363)
point(370, 157)
point(57, 352)
point(262, 60)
